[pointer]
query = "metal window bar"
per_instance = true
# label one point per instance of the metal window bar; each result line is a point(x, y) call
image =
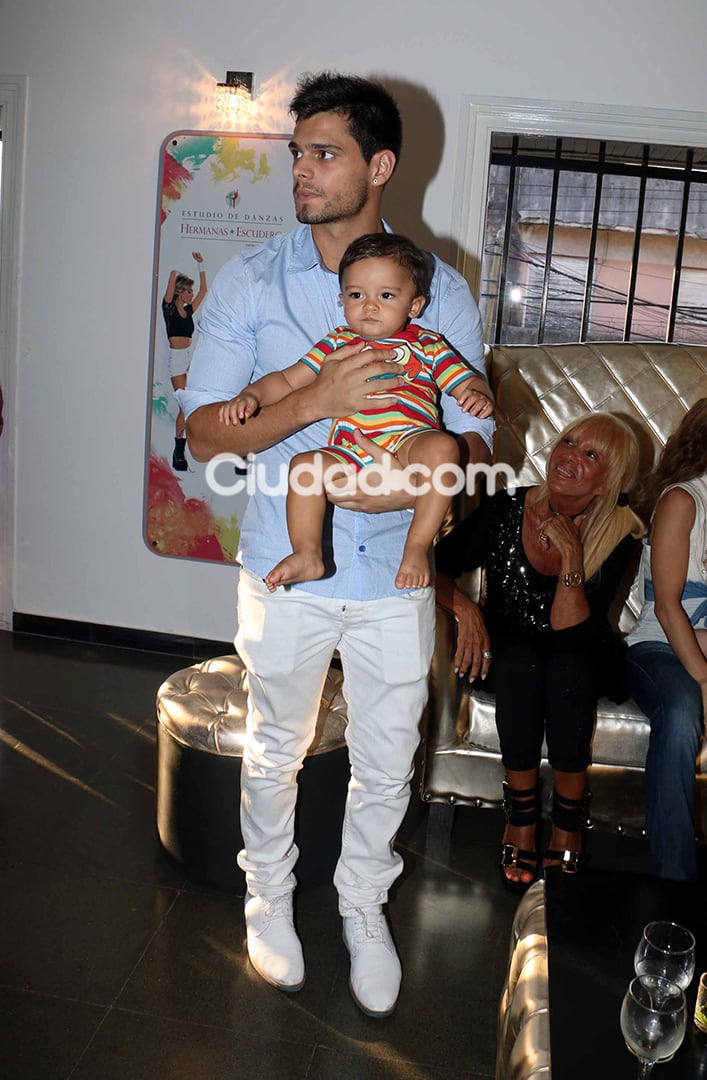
point(675, 292)
point(569, 164)
point(633, 273)
point(591, 254)
point(507, 227)
point(685, 174)
point(550, 239)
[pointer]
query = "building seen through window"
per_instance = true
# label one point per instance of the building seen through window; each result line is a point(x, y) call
point(589, 240)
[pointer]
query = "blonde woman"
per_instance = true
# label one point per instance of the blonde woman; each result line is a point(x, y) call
point(554, 556)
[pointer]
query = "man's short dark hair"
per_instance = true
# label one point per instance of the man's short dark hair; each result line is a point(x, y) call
point(384, 245)
point(372, 114)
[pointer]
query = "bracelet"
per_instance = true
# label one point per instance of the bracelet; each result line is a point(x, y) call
point(573, 580)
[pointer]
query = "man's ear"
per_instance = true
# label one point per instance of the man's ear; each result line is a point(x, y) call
point(382, 167)
point(416, 306)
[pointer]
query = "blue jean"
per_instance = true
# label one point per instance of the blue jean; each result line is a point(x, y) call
point(671, 699)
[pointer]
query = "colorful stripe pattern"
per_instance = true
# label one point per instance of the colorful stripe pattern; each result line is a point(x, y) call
point(429, 366)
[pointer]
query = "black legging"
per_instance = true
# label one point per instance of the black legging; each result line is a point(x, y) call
point(542, 690)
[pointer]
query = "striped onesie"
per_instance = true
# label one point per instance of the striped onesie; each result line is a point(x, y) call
point(428, 366)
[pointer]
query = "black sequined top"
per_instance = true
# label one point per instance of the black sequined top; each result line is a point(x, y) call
point(519, 598)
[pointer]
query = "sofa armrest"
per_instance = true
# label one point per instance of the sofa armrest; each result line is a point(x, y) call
point(445, 697)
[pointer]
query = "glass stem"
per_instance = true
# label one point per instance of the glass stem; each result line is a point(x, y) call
point(645, 1068)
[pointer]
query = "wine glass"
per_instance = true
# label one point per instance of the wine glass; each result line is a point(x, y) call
point(667, 951)
point(653, 1020)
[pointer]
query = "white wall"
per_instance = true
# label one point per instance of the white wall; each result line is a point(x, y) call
point(107, 82)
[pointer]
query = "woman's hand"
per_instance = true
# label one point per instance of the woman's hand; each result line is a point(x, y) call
point(197, 256)
point(391, 496)
point(563, 533)
point(473, 650)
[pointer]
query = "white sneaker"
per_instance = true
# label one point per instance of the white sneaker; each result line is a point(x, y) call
point(273, 946)
point(375, 968)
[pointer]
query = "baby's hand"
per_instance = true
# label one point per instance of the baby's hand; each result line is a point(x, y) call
point(476, 403)
point(238, 408)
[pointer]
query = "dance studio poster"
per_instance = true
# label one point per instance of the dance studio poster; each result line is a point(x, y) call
point(218, 193)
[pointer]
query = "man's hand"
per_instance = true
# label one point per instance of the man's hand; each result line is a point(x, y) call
point(341, 388)
point(348, 494)
point(344, 383)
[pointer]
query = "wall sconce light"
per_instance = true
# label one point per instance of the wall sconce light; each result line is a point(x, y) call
point(230, 95)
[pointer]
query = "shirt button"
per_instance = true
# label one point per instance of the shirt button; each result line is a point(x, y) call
point(361, 547)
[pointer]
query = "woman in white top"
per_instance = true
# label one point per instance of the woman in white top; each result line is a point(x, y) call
point(667, 656)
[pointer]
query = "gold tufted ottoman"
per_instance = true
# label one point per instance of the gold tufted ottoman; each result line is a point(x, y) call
point(201, 719)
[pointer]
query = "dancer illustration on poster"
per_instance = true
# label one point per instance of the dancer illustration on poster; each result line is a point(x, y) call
point(178, 307)
point(221, 193)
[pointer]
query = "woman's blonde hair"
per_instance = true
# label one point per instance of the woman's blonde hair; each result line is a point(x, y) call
point(181, 282)
point(609, 517)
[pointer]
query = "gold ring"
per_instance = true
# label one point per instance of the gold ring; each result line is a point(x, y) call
point(542, 537)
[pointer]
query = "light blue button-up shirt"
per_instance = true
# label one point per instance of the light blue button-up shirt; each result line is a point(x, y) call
point(264, 310)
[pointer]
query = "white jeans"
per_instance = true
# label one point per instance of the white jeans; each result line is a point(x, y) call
point(286, 640)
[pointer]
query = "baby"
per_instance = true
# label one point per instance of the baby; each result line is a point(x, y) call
point(385, 281)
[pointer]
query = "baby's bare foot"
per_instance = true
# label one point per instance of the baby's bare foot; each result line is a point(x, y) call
point(414, 572)
point(299, 566)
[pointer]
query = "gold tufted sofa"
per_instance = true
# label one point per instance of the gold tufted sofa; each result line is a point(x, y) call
point(539, 389)
point(523, 1035)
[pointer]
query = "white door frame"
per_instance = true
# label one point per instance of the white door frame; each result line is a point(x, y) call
point(13, 102)
point(481, 116)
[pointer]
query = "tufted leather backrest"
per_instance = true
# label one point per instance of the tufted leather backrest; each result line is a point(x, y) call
point(541, 388)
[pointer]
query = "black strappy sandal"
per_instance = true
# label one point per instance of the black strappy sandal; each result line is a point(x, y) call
point(570, 816)
point(520, 808)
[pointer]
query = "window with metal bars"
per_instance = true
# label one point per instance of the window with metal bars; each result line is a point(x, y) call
point(594, 240)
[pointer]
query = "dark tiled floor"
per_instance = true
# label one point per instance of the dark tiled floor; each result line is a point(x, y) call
point(114, 967)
